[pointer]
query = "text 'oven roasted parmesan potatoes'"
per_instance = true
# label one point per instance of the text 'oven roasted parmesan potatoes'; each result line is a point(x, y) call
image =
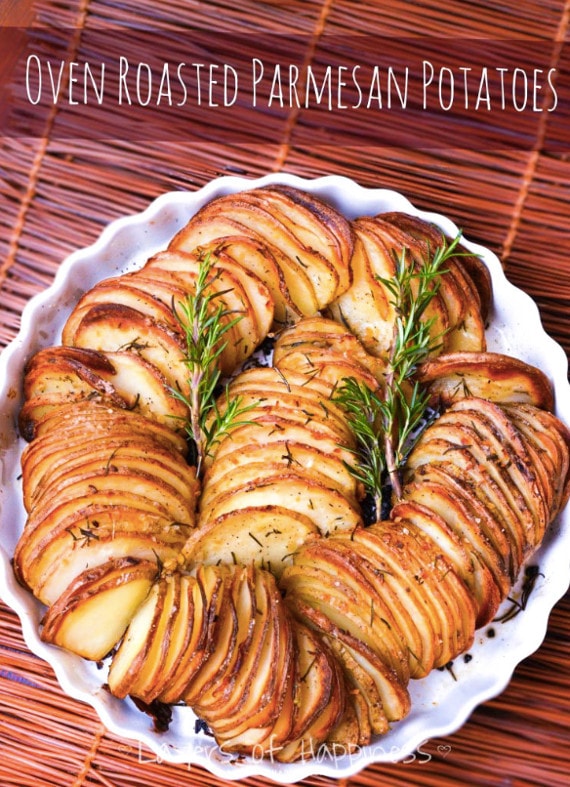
point(276, 474)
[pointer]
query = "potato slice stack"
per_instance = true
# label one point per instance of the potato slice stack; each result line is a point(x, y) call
point(487, 375)
point(105, 476)
point(299, 246)
point(284, 476)
point(457, 310)
point(110, 498)
point(221, 640)
point(398, 598)
point(141, 313)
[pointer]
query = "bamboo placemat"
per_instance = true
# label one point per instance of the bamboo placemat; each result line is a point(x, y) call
point(59, 191)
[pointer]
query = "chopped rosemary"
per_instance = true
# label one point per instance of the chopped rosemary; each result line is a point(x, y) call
point(388, 421)
point(205, 322)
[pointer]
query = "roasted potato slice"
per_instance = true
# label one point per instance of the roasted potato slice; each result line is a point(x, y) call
point(116, 291)
point(417, 633)
point(471, 441)
point(329, 510)
point(92, 614)
point(367, 307)
point(67, 370)
point(221, 639)
point(254, 301)
point(81, 489)
point(269, 428)
point(262, 676)
point(59, 565)
point(224, 699)
point(235, 626)
point(447, 520)
point(460, 298)
point(311, 217)
point(205, 604)
point(385, 695)
point(470, 265)
point(319, 697)
point(287, 221)
point(110, 328)
point(272, 378)
point(145, 390)
point(41, 460)
point(486, 375)
point(210, 225)
point(503, 444)
point(83, 420)
point(299, 404)
point(461, 463)
point(402, 549)
point(265, 537)
point(327, 576)
point(148, 673)
point(552, 441)
point(129, 659)
point(188, 640)
point(146, 461)
point(318, 365)
point(378, 570)
point(330, 468)
point(257, 259)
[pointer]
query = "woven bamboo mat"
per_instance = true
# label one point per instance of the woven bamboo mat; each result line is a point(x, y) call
point(58, 190)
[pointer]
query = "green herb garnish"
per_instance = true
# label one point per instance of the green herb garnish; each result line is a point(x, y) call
point(388, 421)
point(206, 321)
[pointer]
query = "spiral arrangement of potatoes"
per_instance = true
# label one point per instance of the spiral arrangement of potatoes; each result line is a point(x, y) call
point(258, 595)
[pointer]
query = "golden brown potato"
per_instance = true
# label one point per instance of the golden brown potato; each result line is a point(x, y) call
point(494, 376)
point(91, 615)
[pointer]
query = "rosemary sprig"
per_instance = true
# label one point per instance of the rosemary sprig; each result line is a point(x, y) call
point(365, 414)
point(205, 323)
point(387, 422)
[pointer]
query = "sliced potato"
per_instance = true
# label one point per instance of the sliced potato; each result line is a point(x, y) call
point(52, 574)
point(470, 264)
point(494, 376)
point(326, 574)
point(448, 521)
point(331, 468)
point(129, 658)
point(110, 327)
point(319, 697)
point(145, 390)
point(283, 220)
point(85, 419)
point(92, 614)
point(265, 536)
point(114, 292)
point(221, 637)
point(188, 639)
point(254, 304)
point(262, 676)
point(210, 225)
point(225, 698)
point(254, 257)
point(365, 308)
point(329, 510)
point(311, 217)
